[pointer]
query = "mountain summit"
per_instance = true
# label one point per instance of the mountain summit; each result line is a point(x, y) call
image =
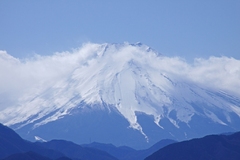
point(125, 94)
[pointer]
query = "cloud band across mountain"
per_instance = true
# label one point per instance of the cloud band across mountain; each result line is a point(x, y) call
point(20, 75)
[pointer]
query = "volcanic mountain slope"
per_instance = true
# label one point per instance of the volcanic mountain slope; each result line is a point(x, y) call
point(125, 94)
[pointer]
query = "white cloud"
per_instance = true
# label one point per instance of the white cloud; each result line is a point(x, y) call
point(18, 76)
point(218, 72)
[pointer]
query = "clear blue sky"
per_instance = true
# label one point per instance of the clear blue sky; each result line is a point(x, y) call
point(185, 28)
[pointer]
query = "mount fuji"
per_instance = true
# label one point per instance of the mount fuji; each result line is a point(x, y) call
point(124, 94)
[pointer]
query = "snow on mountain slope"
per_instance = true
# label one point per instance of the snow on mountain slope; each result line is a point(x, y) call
point(131, 78)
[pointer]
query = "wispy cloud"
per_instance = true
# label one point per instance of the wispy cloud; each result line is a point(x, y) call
point(18, 76)
point(218, 72)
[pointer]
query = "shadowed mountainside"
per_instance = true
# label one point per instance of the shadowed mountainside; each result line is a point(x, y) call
point(214, 147)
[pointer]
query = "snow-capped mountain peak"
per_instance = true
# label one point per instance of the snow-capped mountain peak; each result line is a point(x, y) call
point(130, 79)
